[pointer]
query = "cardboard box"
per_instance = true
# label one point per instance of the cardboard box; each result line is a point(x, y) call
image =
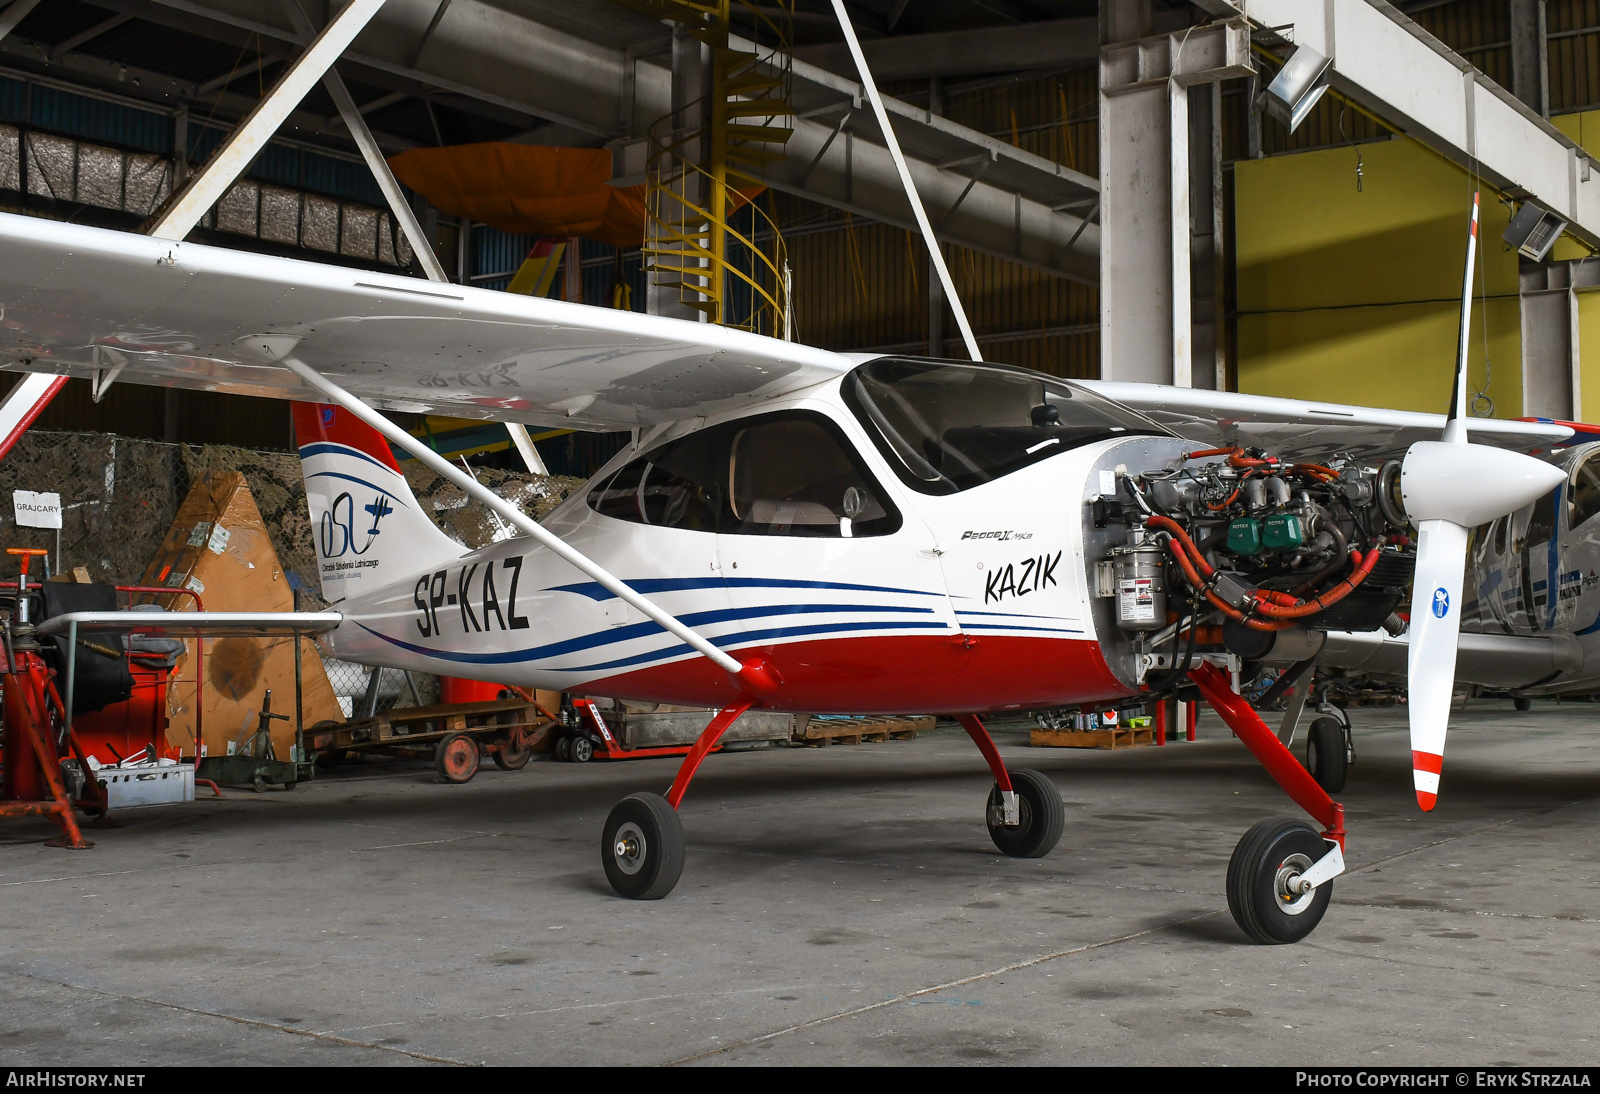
point(218, 548)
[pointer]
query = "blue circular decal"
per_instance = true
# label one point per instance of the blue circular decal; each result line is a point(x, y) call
point(1441, 603)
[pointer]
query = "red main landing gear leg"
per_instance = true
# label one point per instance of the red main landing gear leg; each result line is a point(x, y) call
point(708, 740)
point(1280, 875)
point(642, 849)
point(1025, 814)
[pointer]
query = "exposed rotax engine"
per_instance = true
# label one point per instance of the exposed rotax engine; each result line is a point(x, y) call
point(1236, 537)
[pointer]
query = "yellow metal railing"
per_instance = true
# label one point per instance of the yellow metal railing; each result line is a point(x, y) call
point(702, 179)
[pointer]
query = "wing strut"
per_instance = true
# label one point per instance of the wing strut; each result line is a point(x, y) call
point(935, 253)
point(755, 674)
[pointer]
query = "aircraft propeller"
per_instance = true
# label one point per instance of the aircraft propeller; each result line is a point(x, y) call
point(1450, 486)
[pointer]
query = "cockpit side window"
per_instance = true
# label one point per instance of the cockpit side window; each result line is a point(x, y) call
point(787, 474)
point(679, 485)
point(1584, 501)
point(796, 476)
point(947, 426)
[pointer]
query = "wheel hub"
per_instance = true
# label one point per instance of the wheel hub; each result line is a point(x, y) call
point(629, 848)
point(1286, 888)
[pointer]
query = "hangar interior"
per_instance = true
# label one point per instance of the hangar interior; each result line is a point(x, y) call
point(1237, 197)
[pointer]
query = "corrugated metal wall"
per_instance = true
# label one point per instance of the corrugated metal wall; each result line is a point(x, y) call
point(864, 286)
point(42, 104)
point(1574, 29)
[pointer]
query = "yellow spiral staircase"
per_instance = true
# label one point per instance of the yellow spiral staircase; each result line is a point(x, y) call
point(698, 178)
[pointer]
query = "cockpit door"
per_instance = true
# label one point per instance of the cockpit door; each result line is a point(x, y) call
point(818, 550)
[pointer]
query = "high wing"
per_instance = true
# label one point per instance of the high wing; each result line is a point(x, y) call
point(89, 302)
point(1308, 430)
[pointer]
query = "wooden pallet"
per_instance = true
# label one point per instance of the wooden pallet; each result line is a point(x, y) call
point(427, 725)
point(1119, 737)
point(819, 732)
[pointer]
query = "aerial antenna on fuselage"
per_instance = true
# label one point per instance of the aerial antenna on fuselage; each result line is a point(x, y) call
point(934, 253)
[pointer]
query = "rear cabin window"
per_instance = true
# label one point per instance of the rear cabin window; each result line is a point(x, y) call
point(787, 474)
point(947, 426)
point(1585, 498)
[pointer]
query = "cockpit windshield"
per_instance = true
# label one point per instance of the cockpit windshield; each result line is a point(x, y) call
point(947, 426)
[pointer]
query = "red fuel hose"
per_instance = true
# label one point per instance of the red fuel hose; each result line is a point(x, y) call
point(1278, 606)
point(1325, 600)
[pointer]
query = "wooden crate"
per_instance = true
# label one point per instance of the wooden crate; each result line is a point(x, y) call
point(1119, 737)
point(819, 732)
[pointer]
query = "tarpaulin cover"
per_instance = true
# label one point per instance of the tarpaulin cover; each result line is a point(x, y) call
point(527, 189)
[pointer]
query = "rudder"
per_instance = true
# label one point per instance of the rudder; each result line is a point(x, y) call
point(369, 528)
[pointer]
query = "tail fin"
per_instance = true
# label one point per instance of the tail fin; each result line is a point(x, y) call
point(369, 528)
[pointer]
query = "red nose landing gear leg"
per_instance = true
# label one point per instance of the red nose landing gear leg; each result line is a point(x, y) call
point(642, 849)
point(1025, 814)
point(1280, 876)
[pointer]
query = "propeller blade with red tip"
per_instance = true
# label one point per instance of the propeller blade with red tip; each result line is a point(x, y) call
point(1450, 486)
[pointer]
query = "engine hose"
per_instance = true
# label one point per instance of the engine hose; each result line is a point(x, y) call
point(1216, 601)
point(1329, 598)
point(1236, 457)
point(1316, 469)
point(1167, 524)
point(1233, 497)
point(1341, 548)
point(1179, 669)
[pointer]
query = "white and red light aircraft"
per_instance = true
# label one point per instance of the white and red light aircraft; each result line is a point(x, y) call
point(795, 529)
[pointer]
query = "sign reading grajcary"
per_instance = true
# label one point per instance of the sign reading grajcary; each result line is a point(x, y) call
point(35, 510)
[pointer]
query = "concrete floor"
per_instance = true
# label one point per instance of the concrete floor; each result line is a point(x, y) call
point(839, 905)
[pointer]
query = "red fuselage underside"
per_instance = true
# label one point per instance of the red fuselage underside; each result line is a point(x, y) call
point(891, 675)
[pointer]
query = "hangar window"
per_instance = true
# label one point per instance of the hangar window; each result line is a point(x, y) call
point(1584, 501)
point(946, 426)
point(786, 474)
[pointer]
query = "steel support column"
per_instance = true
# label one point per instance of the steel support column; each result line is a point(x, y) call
point(1146, 254)
point(1550, 372)
point(1530, 66)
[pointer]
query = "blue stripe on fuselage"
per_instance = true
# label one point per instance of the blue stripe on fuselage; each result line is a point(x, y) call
point(597, 592)
point(751, 636)
point(612, 635)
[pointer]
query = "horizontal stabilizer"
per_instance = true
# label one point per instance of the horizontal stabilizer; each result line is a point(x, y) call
point(197, 624)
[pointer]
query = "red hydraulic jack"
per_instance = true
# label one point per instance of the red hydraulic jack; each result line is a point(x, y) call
point(36, 730)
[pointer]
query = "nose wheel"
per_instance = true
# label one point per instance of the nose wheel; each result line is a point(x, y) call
point(1039, 821)
point(1267, 891)
point(1327, 758)
point(642, 848)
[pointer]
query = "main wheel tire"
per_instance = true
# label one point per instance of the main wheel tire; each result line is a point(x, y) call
point(507, 758)
point(1272, 854)
point(582, 750)
point(1326, 757)
point(642, 850)
point(1039, 811)
point(456, 759)
point(1522, 704)
point(564, 749)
